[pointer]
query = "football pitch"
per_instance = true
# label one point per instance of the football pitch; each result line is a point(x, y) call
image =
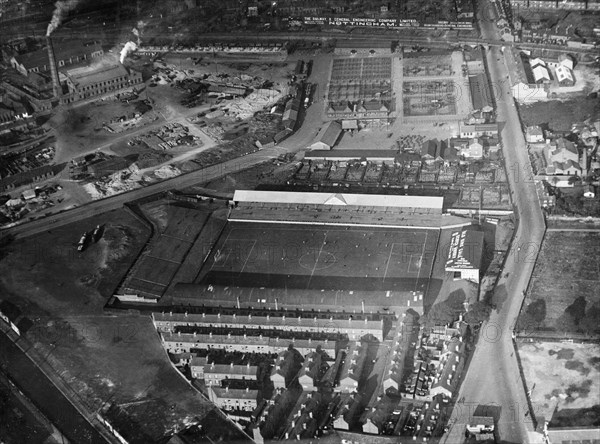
point(317, 252)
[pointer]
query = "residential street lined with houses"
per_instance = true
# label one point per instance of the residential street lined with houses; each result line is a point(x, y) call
point(493, 378)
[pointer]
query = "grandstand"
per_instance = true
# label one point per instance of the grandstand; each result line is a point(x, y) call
point(323, 251)
point(359, 210)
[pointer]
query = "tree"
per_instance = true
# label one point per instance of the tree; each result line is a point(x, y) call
point(589, 324)
point(446, 311)
point(478, 312)
point(577, 309)
point(537, 310)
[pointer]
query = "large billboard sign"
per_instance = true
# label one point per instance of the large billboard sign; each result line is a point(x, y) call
point(379, 22)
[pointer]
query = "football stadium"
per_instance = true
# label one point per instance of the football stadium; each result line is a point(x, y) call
point(325, 251)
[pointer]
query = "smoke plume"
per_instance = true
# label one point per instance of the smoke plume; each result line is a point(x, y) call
point(61, 9)
point(127, 49)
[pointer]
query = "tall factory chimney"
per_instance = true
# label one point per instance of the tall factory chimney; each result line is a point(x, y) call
point(56, 88)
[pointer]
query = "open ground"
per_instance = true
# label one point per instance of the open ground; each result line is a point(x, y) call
point(561, 375)
point(566, 271)
point(104, 358)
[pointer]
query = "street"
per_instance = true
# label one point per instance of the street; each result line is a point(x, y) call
point(493, 377)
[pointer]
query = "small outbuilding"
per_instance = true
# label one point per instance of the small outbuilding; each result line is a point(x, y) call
point(329, 137)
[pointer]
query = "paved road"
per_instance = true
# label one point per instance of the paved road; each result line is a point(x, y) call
point(493, 377)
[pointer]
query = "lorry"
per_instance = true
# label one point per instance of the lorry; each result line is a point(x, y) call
point(308, 89)
point(97, 233)
point(82, 241)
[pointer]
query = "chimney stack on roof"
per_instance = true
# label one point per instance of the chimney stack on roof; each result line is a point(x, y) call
point(56, 89)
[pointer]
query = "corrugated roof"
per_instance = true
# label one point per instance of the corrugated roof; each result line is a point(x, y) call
point(372, 200)
point(369, 44)
point(332, 133)
point(480, 91)
point(62, 51)
point(351, 154)
point(86, 76)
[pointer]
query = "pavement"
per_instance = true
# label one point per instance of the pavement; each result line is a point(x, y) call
point(493, 377)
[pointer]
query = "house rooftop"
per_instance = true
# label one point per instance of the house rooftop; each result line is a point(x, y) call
point(250, 340)
point(241, 370)
point(574, 435)
point(482, 421)
point(273, 321)
point(228, 393)
point(534, 131)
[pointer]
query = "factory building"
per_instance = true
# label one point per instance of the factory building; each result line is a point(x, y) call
point(66, 53)
point(90, 82)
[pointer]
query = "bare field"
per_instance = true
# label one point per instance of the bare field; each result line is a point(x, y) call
point(121, 360)
point(562, 375)
point(103, 358)
point(560, 115)
point(46, 274)
point(565, 283)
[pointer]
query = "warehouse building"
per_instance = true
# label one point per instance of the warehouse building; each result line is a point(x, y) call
point(66, 53)
point(88, 82)
point(329, 137)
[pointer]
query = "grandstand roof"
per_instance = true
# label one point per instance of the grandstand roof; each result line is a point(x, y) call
point(371, 200)
point(227, 295)
point(351, 154)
